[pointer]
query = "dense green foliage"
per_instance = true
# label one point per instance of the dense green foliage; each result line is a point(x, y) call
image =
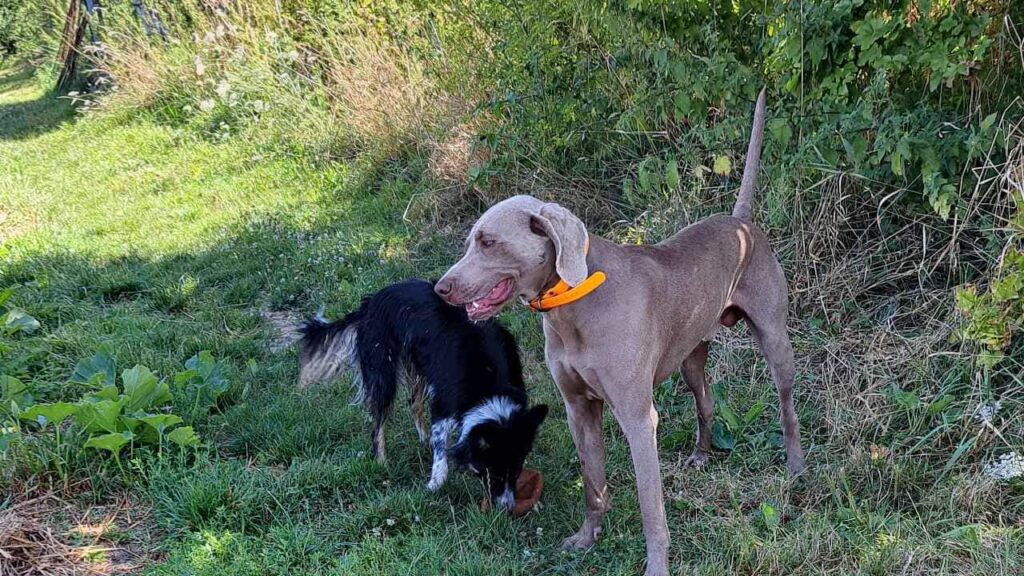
point(879, 90)
point(30, 31)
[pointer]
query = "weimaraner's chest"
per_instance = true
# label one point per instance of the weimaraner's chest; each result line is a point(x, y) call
point(613, 356)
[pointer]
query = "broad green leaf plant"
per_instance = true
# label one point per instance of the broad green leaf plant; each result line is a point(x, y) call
point(114, 416)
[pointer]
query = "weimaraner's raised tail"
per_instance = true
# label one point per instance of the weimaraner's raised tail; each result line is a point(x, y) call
point(745, 199)
point(628, 317)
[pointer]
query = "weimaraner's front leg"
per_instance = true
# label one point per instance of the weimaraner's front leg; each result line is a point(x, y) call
point(584, 414)
point(640, 428)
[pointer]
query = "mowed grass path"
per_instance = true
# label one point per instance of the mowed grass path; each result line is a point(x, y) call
point(158, 243)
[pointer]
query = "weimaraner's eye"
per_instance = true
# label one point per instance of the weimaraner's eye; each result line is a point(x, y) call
point(487, 242)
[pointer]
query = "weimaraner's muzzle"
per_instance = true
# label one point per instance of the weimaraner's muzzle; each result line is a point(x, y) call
point(654, 315)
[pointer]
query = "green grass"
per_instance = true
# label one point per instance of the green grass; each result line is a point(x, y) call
point(144, 237)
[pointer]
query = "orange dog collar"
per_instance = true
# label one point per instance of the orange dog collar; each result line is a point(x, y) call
point(562, 294)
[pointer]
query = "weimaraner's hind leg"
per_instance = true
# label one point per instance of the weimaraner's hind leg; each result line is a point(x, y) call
point(704, 402)
point(769, 330)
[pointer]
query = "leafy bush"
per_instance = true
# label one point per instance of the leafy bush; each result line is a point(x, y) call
point(636, 98)
point(993, 317)
point(31, 31)
point(135, 414)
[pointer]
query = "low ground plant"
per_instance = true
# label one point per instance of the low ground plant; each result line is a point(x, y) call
point(113, 418)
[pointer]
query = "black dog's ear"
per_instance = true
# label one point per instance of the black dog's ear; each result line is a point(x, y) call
point(536, 415)
point(473, 446)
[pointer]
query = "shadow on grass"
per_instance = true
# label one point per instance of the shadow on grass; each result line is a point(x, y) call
point(21, 119)
point(159, 311)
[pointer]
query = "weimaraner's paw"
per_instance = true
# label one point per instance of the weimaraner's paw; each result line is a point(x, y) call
point(585, 538)
point(796, 466)
point(698, 459)
point(656, 571)
point(657, 556)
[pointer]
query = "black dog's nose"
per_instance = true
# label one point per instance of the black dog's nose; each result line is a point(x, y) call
point(444, 287)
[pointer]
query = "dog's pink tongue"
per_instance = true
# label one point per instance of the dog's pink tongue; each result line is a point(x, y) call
point(484, 305)
point(496, 293)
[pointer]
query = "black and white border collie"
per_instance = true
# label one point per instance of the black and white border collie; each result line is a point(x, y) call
point(468, 371)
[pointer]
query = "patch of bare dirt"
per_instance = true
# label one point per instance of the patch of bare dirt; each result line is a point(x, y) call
point(11, 227)
point(48, 535)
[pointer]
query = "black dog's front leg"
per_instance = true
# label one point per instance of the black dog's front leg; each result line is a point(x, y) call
point(439, 433)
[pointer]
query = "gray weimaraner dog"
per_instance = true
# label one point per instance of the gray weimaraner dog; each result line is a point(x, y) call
point(654, 314)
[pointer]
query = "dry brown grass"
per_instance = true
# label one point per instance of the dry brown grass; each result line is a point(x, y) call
point(454, 152)
point(48, 535)
point(140, 72)
point(387, 99)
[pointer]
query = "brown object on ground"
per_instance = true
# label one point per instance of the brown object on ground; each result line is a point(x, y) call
point(528, 488)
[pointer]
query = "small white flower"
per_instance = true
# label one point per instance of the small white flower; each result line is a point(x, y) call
point(198, 63)
point(293, 55)
point(988, 411)
point(223, 88)
point(206, 104)
point(1008, 467)
point(540, 531)
point(271, 36)
point(390, 521)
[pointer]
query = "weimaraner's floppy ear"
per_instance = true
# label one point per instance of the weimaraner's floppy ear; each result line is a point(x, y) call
point(569, 235)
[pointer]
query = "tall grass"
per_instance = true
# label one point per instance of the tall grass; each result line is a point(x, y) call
point(342, 92)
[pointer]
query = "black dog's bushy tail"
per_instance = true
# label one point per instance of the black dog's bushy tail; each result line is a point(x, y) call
point(328, 349)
